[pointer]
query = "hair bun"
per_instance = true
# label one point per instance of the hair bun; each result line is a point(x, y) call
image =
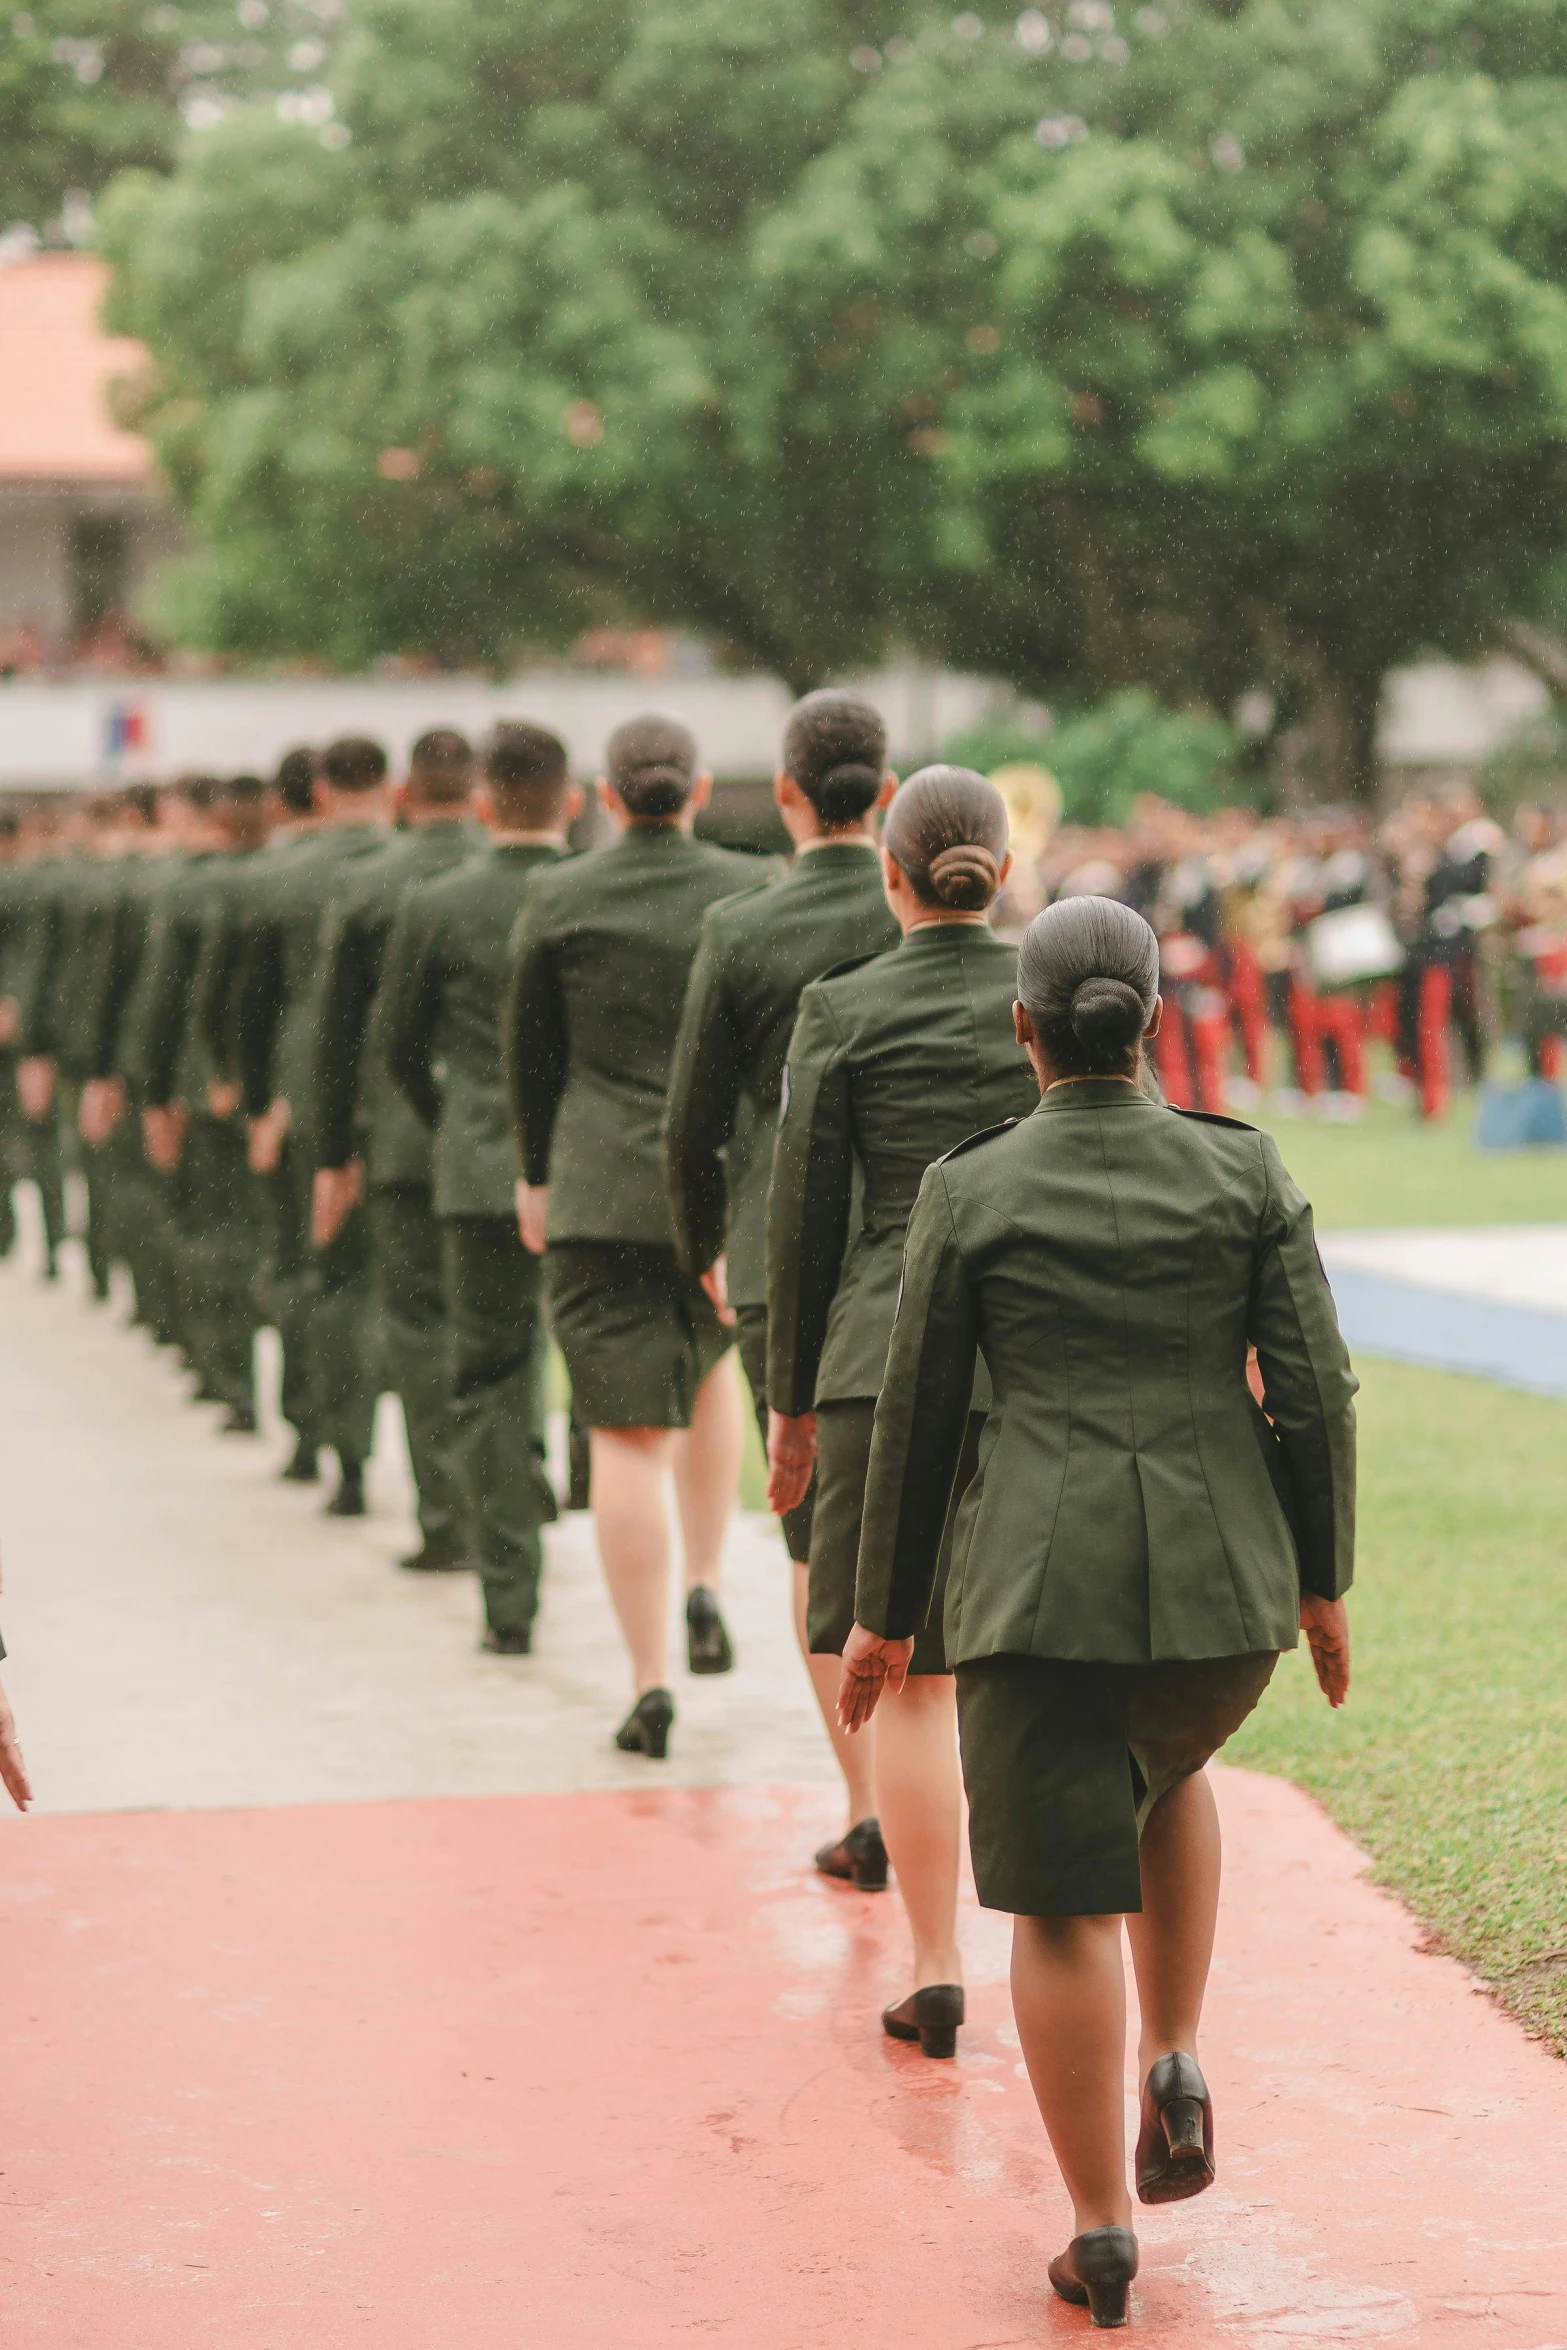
point(965, 877)
point(1107, 1014)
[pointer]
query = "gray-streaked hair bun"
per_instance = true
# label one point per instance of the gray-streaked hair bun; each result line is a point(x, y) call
point(1088, 977)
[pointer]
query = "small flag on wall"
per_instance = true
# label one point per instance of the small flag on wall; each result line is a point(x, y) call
point(126, 729)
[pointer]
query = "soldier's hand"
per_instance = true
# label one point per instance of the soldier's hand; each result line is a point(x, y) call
point(870, 1665)
point(10, 1019)
point(533, 1216)
point(716, 1282)
point(222, 1098)
point(1325, 1623)
point(100, 1110)
point(265, 1146)
point(791, 1457)
point(13, 1771)
point(35, 1088)
point(337, 1191)
point(163, 1137)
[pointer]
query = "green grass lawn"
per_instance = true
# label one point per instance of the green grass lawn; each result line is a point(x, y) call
point(1393, 1168)
point(1449, 1764)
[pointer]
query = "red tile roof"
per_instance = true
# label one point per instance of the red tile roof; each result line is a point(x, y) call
point(56, 364)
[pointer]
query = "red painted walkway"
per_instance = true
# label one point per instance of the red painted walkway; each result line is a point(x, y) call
point(568, 2072)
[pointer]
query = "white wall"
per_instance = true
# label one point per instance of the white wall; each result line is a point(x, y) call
point(59, 733)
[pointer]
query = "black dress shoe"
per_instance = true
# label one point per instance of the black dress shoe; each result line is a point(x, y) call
point(645, 1729)
point(1094, 2272)
point(708, 1646)
point(519, 1643)
point(304, 1468)
point(349, 1499)
point(1175, 2142)
point(238, 1423)
point(425, 1561)
point(931, 2017)
point(860, 1858)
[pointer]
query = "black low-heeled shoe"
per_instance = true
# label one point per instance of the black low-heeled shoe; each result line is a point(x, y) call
point(931, 2017)
point(1175, 2142)
point(858, 1859)
point(645, 1729)
point(1095, 2271)
point(708, 1646)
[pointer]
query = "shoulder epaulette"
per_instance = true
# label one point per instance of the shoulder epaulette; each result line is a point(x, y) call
point(972, 1141)
point(1213, 1118)
point(850, 963)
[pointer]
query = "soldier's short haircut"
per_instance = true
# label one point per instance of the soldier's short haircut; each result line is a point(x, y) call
point(352, 763)
point(295, 781)
point(440, 767)
point(519, 755)
point(835, 747)
point(244, 791)
point(201, 792)
point(651, 761)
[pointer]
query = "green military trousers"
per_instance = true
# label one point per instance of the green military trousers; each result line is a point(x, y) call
point(494, 1303)
point(285, 1288)
point(339, 1332)
point(217, 1260)
point(45, 1165)
point(405, 1238)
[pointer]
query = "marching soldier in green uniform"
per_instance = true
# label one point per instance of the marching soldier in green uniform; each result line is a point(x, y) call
point(285, 1264)
point(726, 1082)
point(602, 952)
point(176, 1080)
point(13, 1126)
point(365, 1133)
point(891, 1064)
point(272, 1003)
point(439, 1010)
point(30, 989)
point(100, 1104)
point(1141, 1540)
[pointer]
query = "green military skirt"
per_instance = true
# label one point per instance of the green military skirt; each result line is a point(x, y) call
point(1064, 1762)
point(843, 1452)
point(639, 1335)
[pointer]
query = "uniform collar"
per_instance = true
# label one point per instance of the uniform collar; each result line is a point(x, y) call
point(1096, 1093)
point(837, 851)
point(941, 935)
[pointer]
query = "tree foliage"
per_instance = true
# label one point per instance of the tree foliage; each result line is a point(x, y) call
point(1105, 758)
point(90, 88)
point(1195, 348)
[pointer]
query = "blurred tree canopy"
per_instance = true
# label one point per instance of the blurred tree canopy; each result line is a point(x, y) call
point(1203, 346)
point(1107, 757)
point(89, 88)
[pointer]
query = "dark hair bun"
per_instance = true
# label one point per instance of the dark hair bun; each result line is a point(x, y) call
point(965, 877)
point(1107, 1015)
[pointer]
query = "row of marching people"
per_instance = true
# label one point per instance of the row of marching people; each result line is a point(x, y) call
point(1289, 947)
point(1058, 1419)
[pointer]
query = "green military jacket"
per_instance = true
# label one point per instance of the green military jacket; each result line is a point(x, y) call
point(35, 961)
point(1112, 1259)
point(891, 1064)
point(726, 1080)
point(438, 1021)
point(169, 1048)
point(273, 998)
point(599, 962)
point(352, 1106)
point(151, 891)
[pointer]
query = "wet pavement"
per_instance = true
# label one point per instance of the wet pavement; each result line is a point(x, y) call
point(354, 1989)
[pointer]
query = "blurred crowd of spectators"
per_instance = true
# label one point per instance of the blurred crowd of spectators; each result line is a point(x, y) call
point(1291, 945)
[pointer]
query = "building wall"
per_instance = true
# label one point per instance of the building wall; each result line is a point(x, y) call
point(40, 578)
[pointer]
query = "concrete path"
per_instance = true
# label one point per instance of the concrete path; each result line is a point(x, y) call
point(353, 1989)
point(1490, 1300)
